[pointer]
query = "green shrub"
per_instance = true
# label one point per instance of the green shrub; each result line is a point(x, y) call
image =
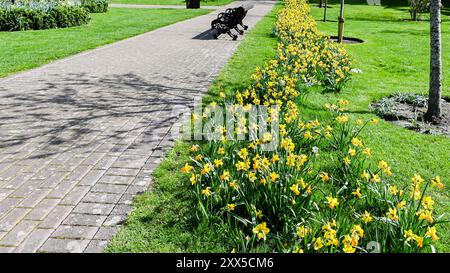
point(418, 6)
point(95, 6)
point(15, 19)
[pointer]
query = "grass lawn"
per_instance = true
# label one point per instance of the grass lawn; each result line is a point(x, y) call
point(28, 49)
point(159, 222)
point(393, 58)
point(172, 2)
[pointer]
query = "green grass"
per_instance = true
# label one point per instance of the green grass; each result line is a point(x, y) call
point(159, 222)
point(173, 2)
point(393, 58)
point(28, 49)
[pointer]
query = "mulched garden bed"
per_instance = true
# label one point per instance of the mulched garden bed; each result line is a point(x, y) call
point(347, 40)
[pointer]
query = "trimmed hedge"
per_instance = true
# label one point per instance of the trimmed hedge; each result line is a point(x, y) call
point(95, 6)
point(27, 19)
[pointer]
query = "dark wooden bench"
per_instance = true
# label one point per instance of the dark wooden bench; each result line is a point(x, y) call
point(230, 19)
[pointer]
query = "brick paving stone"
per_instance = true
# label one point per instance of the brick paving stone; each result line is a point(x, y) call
point(93, 159)
point(75, 195)
point(62, 189)
point(6, 249)
point(100, 197)
point(8, 204)
point(40, 211)
point(92, 178)
point(18, 233)
point(106, 233)
point(56, 245)
point(114, 179)
point(77, 219)
point(114, 220)
point(121, 209)
point(34, 198)
point(12, 218)
point(75, 232)
point(122, 172)
point(55, 217)
point(109, 188)
point(126, 199)
point(16, 182)
point(26, 189)
point(105, 163)
point(53, 180)
point(94, 126)
point(135, 189)
point(96, 246)
point(94, 208)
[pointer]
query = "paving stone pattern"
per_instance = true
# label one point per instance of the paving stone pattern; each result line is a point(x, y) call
point(81, 136)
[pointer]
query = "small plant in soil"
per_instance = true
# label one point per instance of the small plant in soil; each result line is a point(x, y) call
point(408, 109)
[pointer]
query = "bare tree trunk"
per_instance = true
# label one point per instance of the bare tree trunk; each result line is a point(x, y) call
point(321, 3)
point(341, 23)
point(434, 96)
point(325, 11)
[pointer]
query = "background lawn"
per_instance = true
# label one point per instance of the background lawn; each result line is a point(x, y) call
point(172, 2)
point(28, 49)
point(393, 58)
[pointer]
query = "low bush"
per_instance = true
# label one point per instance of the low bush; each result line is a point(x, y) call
point(417, 7)
point(386, 106)
point(316, 191)
point(18, 18)
point(95, 6)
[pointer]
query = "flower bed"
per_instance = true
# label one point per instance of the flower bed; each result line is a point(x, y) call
point(37, 14)
point(317, 191)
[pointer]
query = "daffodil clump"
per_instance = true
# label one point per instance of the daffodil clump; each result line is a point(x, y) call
point(308, 51)
point(317, 191)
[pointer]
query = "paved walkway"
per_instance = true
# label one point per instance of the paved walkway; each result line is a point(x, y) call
point(79, 137)
point(139, 6)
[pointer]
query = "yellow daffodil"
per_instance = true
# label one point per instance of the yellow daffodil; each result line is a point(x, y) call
point(274, 176)
point(375, 178)
point(259, 214)
point(187, 168)
point(324, 176)
point(261, 231)
point(207, 191)
point(392, 214)
point(318, 244)
point(357, 142)
point(294, 189)
point(218, 163)
point(366, 217)
point(231, 207)
point(367, 152)
point(225, 176)
point(332, 202)
point(352, 152)
point(342, 119)
point(432, 233)
point(437, 182)
point(302, 231)
point(193, 179)
point(357, 193)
